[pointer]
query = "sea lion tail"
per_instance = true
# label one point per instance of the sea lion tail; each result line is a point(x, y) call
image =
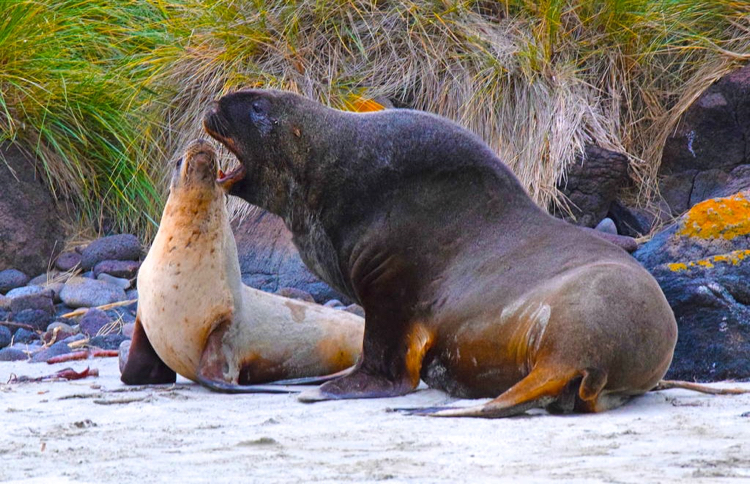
point(696, 387)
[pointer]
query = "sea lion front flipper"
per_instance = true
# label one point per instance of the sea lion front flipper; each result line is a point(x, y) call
point(213, 366)
point(143, 365)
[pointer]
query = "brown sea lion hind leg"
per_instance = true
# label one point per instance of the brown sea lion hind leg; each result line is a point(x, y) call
point(143, 365)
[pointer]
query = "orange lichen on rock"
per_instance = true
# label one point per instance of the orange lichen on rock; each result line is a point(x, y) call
point(724, 218)
point(734, 258)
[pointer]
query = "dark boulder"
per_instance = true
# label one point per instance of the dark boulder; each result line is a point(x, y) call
point(68, 261)
point(702, 264)
point(708, 154)
point(5, 336)
point(126, 269)
point(31, 226)
point(269, 261)
point(591, 185)
point(113, 247)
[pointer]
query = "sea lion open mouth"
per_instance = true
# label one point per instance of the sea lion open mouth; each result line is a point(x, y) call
point(226, 180)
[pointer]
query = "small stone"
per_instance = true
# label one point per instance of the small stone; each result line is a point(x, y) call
point(108, 342)
point(43, 279)
point(121, 314)
point(4, 303)
point(607, 225)
point(113, 247)
point(23, 335)
point(36, 318)
point(355, 309)
point(5, 336)
point(11, 279)
point(29, 291)
point(294, 293)
point(13, 354)
point(93, 321)
point(122, 353)
point(74, 338)
point(61, 309)
point(80, 292)
point(56, 349)
point(115, 281)
point(128, 329)
point(132, 294)
point(334, 303)
point(88, 275)
point(67, 261)
point(126, 269)
point(41, 301)
point(57, 330)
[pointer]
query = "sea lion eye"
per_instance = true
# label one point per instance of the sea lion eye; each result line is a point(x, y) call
point(258, 107)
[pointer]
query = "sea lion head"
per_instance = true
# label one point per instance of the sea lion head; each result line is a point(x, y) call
point(265, 129)
point(196, 168)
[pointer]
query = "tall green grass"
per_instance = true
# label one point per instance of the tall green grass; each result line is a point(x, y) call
point(70, 99)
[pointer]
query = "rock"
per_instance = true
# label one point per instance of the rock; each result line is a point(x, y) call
point(591, 185)
point(5, 337)
point(74, 338)
point(132, 294)
point(13, 354)
point(707, 155)
point(56, 349)
point(122, 352)
point(122, 314)
point(81, 292)
point(36, 318)
point(269, 260)
point(294, 293)
point(29, 291)
point(113, 247)
point(115, 281)
point(355, 309)
point(4, 303)
point(607, 225)
point(61, 309)
point(108, 342)
point(11, 279)
point(31, 226)
point(637, 222)
point(334, 303)
point(127, 330)
point(42, 279)
point(41, 300)
point(67, 261)
point(702, 264)
point(125, 269)
point(23, 335)
point(58, 331)
point(93, 321)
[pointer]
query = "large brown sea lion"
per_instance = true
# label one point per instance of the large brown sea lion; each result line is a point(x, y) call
point(196, 318)
point(465, 282)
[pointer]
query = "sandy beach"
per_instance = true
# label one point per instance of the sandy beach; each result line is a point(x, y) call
point(98, 430)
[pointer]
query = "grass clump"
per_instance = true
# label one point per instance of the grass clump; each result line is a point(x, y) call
point(537, 80)
point(92, 88)
point(67, 99)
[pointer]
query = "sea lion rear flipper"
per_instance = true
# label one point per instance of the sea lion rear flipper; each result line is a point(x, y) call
point(540, 388)
point(143, 365)
point(213, 365)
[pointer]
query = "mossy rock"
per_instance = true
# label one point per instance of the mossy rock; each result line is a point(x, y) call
point(702, 264)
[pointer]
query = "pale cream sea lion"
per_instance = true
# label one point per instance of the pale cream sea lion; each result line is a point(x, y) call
point(196, 318)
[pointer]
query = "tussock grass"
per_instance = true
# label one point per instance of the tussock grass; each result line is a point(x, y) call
point(67, 98)
point(538, 80)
